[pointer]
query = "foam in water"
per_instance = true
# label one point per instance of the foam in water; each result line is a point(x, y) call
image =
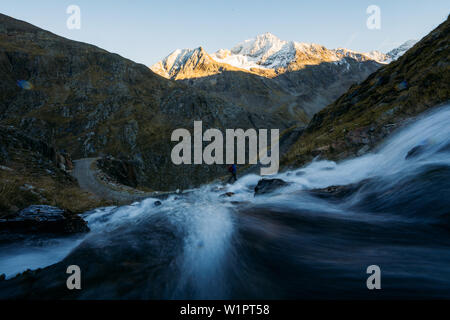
point(209, 229)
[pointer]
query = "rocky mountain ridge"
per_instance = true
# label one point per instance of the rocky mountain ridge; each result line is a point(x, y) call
point(266, 55)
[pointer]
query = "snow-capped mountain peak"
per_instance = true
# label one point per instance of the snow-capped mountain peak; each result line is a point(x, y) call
point(261, 46)
point(253, 53)
point(376, 55)
point(267, 55)
point(175, 61)
point(394, 54)
point(267, 51)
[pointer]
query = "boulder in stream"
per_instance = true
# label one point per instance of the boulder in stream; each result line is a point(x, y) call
point(269, 185)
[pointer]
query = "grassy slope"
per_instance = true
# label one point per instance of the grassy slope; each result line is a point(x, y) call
point(414, 83)
point(28, 176)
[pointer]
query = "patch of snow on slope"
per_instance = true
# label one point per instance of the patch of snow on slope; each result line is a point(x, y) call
point(396, 53)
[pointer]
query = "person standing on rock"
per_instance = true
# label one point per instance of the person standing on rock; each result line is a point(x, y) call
point(232, 169)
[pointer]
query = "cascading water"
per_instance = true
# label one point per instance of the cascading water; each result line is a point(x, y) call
point(293, 243)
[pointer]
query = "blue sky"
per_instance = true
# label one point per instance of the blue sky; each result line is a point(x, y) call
point(146, 31)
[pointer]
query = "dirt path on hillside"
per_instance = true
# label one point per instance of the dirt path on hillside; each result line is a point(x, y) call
point(86, 176)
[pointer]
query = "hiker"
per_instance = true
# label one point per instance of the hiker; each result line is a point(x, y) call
point(232, 170)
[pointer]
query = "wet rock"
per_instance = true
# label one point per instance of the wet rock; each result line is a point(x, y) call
point(157, 203)
point(227, 194)
point(337, 192)
point(269, 185)
point(241, 203)
point(416, 151)
point(43, 219)
point(445, 148)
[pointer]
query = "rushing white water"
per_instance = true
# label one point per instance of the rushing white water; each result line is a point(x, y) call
point(207, 219)
point(34, 254)
point(433, 132)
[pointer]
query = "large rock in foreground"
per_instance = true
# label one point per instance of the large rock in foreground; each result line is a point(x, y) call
point(44, 219)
